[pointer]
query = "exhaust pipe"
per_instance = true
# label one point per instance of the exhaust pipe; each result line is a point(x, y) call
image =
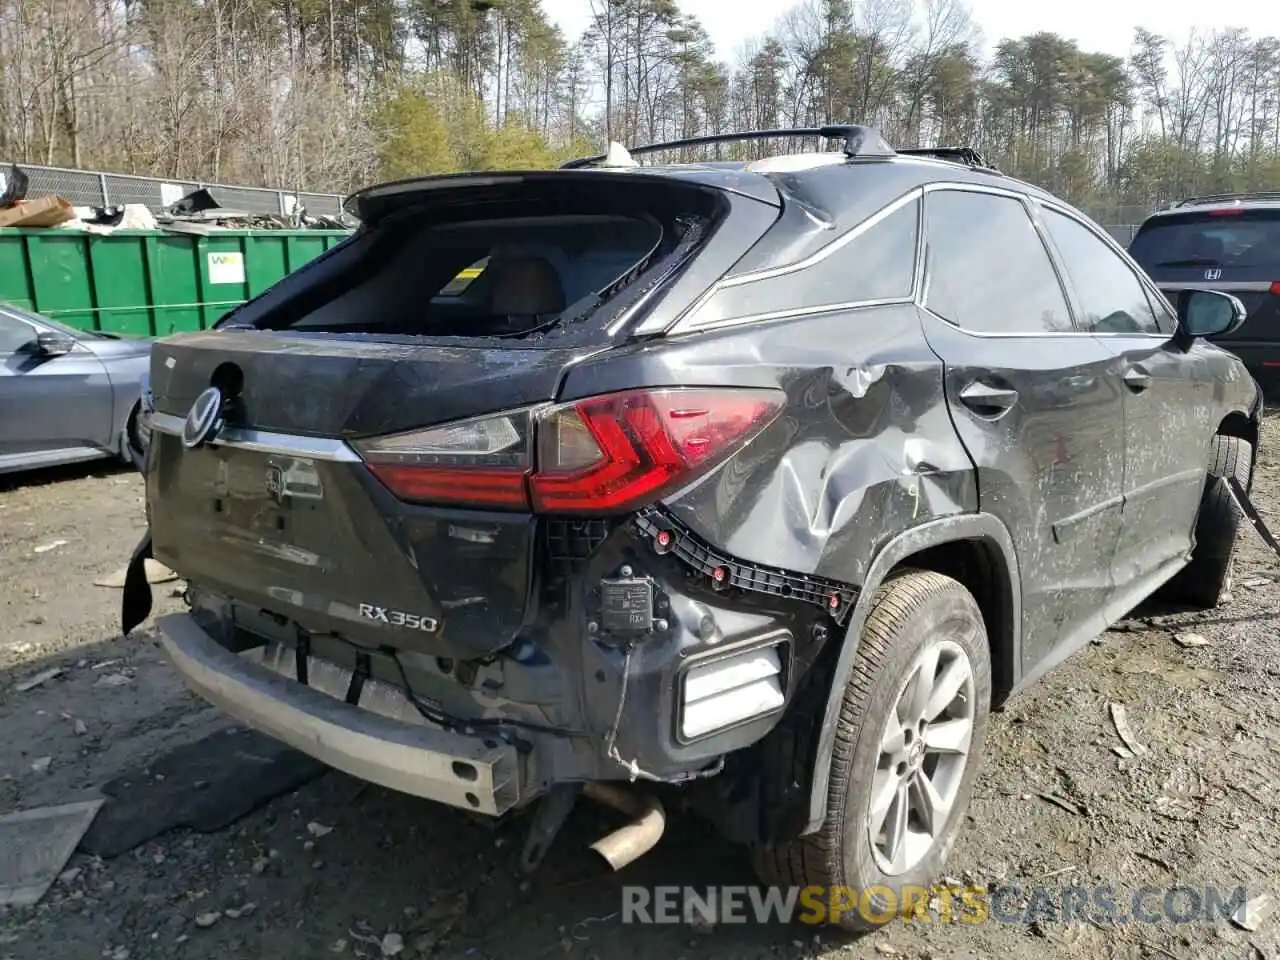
point(648, 820)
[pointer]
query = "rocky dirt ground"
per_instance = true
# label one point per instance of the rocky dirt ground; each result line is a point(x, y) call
point(1055, 805)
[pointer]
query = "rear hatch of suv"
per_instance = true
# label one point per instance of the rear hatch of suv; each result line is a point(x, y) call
point(371, 473)
point(1235, 249)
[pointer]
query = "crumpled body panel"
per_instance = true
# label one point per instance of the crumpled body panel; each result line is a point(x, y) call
point(864, 450)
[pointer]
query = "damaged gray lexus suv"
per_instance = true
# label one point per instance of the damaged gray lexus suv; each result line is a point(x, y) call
point(747, 487)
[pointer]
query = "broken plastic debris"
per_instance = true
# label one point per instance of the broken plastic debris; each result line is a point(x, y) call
point(1121, 721)
point(37, 844)
point(46, 547)
point(318, 829)
point(42, 677)
point(1190, 640)
point(1249, 915)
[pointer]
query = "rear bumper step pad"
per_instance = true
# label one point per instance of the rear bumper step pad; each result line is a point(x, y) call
point(452, 768)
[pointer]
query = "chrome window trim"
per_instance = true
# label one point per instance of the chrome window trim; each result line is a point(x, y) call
point(836, 245)
point(688, 322)
point(777, 315)
point(264, 441)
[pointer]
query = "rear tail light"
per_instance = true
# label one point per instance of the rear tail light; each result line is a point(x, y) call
point(481, 462)
point(1275, 287)
point(601, 455)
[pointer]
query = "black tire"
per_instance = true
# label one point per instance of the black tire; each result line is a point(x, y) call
point(910, 611)
point(1207, 576)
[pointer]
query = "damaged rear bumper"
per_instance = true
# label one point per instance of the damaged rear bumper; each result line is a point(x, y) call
point(469, 772)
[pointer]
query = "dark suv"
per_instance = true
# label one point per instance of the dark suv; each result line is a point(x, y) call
point(1227, 242)
point(759, 483)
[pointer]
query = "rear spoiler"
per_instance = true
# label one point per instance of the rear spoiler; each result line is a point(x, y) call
point(373, 203)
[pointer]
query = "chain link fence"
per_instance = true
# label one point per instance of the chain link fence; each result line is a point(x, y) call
point(97, 189)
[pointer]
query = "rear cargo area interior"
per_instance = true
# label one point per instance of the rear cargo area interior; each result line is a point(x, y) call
point(531, 270)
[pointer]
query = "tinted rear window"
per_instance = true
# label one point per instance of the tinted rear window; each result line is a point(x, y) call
point(1246, 238)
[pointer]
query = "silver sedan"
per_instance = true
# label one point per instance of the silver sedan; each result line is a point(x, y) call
point(67, 395)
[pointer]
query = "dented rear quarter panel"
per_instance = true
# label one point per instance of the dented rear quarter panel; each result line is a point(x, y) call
point(863, 449)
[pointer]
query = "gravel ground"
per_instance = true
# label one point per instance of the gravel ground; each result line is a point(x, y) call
point(1054, 806)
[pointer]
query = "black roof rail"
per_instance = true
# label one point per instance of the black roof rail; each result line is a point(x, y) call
point(1219, 197)
point(966, 155)
point(859, 141)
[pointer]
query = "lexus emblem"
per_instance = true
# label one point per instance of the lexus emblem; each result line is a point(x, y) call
point(204, 420)
point(1213, 273)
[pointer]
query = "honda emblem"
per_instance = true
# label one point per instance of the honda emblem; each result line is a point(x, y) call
point(1213, 273)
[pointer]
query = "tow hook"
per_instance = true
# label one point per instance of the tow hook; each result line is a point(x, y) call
point(547, 821)
point(1251, 514)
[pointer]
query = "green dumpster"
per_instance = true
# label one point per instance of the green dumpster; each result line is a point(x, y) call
point(148, 282)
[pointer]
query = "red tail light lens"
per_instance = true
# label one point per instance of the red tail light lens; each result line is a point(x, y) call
point(480, 462)
point(606, 454)
point(612, 453)
point(1275, 287)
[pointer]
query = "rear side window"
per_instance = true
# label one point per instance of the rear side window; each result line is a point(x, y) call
point(1231, 238)
point(880, 264)
point(988, 270)
point(1112, 299)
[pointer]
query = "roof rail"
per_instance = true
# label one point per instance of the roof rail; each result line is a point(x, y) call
point(966, 155)
point(859, 142)
point(1219, 197)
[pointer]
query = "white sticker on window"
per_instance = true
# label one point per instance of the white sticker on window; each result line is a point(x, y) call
point(226, 268)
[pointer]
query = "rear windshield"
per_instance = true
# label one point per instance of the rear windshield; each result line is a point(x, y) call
point(1232, 238)
point(490, 278)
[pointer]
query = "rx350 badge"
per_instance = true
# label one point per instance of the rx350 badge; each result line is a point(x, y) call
point(398, 618)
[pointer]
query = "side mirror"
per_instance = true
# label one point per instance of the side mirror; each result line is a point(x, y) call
point(1208, 313)
point(51, 343)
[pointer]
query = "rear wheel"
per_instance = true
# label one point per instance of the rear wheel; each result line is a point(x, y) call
point(911, 729)
point(1207, 577)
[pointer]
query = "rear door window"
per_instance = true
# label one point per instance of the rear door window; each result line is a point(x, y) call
point(987, 268)
point(1231, 238)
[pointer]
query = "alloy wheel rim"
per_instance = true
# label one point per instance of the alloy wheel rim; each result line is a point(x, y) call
point(924, 749)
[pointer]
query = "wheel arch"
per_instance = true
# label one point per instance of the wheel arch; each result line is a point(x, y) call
point(1246, 427)
point(973, 548)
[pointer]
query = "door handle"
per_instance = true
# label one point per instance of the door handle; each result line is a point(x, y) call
point(1137, 379)
point(988, 401)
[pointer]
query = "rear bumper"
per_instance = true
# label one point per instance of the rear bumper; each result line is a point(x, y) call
point(468, 772)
